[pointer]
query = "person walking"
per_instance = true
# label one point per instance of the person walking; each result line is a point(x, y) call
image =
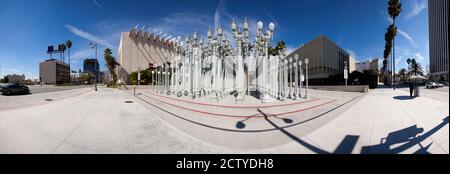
point(411, 87)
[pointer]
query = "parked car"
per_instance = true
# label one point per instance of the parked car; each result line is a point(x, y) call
point(440, 85)
point(431, 85)
point(14, 88)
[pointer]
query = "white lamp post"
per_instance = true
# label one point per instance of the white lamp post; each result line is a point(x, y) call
point(301, 80)
point(153, 85)
point(295, 63)
point(306, 63)
point(290, 78)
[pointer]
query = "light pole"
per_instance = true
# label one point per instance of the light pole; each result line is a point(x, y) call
point(306, 63)
point(295, 63)
point(94, 45)
point(153, 85)
point(345, 72)
point(301, 81)
point(291, 95)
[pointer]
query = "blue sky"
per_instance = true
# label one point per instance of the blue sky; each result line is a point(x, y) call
point(27, 27)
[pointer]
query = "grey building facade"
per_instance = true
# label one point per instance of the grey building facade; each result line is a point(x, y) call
point(438, 35)
point(326, 60)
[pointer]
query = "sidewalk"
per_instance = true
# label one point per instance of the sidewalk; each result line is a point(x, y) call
point(112, 121)
point(387, 121)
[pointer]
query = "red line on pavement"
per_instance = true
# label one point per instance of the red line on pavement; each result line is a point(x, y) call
point(243, 107)
point(240, 116)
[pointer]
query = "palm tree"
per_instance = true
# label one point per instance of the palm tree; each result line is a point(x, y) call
point(414, 67)
point(388, 37)
point(69, 45)
point(111, 63)
point(275, 50)
point(394, 10)
point(62, 50)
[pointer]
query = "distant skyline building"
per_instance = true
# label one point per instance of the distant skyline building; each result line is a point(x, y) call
point(367, 65)
point(438, 35)
point(326, 59)
point(53, 71)
point(92, 66)
point(16, 78)
point(352, 64)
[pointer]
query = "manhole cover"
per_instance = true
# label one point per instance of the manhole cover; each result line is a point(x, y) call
point(128, 101)
point(48, 99)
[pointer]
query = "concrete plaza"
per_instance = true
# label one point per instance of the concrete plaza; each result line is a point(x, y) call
point(115, 121)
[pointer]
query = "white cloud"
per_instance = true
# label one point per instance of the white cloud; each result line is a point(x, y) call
point(81, 54)
point(221, 12)
point(96, 3)
point(352, 53)
point(408, 37)
point(416, 6)
point(186, 23)
point(88, 36)
point(289, 50)
point(419, 57)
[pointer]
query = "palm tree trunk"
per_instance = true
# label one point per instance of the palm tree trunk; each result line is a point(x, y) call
point(393, 51)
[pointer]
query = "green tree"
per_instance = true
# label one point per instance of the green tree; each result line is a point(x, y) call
point(111, 64)
point(414, 67)
point(394, 10)
point(275, 50)
point(86, 77)
point(402, 74)
point(354, 77)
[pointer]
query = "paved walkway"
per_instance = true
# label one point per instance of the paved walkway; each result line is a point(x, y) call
point(388, 121)
point(113, 121)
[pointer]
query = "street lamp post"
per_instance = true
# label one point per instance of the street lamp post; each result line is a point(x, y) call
point(306, 63)
point(345, 72)
point(301, 81)
point(94, 45)
point(295, 63)
point(291, 95)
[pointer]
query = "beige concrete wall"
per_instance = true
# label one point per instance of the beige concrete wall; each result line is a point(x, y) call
point(47, 72)
point(353, 88)
point(139, 52)
point(352, 64)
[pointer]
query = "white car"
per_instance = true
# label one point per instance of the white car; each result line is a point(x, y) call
point(432, 85)
point(440, 85)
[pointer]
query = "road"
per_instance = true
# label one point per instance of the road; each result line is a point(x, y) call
point(35, 89)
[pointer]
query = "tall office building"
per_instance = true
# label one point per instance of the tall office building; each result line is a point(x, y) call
point(438, 23)
point(91, 66)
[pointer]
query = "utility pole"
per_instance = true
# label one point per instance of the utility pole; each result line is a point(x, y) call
point(94, 45)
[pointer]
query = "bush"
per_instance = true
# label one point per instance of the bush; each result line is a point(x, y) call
point(367, 77)
point(146, 77)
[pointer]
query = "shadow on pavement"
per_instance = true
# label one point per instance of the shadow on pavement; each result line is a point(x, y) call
point(404, 97)
point(410, 136)
point(345, 147)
